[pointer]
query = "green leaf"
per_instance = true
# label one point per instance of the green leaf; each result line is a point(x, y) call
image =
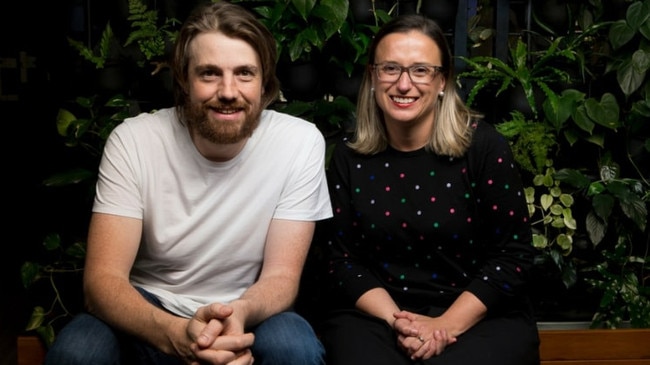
point(546, 200)
point(77, 250)
point(52, 242)
point(572, 177)
point(566, 199)
point(603, 205)
point(564, 241)
point(631, 72)
point(635, 209)
point(637, 14)
point(29, 273)
point(64, 119)
point(334, 13)
point(303, 7)
point(582, 120)
point(604, 112)
point(595, 228)
point(36, 319)
point(73, 176)
point(566, 104)
point(539, 241)
point(47, 334)
point(596, 188)
point(620, 33)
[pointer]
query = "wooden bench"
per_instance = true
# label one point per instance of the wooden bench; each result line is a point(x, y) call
point(558, 347)
point(595, 347)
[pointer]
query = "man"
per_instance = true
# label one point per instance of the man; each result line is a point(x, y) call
point(203, 216)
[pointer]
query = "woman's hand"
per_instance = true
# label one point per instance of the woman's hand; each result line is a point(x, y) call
point(421, 337)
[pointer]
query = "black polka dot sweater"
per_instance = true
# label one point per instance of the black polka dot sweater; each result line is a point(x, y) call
point(427, 227)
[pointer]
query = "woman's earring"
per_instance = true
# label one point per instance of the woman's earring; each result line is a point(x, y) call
point(372, 89)
point(441, 94)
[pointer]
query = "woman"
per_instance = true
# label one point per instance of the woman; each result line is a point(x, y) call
point(430, 244)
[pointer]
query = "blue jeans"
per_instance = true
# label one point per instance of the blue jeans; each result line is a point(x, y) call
point(283, 339)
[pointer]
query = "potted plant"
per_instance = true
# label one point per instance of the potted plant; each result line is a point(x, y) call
point(301, 29)
point(588, 201)
point(52, 277)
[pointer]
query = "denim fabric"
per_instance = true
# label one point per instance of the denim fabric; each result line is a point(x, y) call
point(283, 339)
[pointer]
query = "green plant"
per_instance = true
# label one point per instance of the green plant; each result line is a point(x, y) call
point(301, 27)
point(64, 263)
point(152, 38)
point(519, 71)
point(84, 127)
point(552, 220)
point(583, 179)
point(617, 220)
point(351, 42)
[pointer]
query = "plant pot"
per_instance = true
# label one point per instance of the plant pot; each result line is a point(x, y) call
point(554, 15)
point(362, 10)
point(300, 81)
point(442, 11)
point(30, 350)
point(342, 84)
point(407, 7)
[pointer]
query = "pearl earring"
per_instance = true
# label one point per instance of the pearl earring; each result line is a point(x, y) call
point(441, 94)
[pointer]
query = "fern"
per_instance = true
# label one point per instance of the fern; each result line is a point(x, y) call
point(531, 142)
point(151, 39)
point(98, 59)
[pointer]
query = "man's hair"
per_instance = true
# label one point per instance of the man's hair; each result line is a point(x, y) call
point(233, 21)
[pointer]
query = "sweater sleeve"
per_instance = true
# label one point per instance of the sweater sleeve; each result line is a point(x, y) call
point(500, 199)
point(348, 277)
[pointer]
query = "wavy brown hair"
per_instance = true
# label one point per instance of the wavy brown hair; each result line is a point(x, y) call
point(236, 22)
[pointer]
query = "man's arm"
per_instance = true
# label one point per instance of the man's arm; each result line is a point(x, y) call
point(113, 243)
point(287, 245)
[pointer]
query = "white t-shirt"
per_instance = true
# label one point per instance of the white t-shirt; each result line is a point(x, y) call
point(205, 222)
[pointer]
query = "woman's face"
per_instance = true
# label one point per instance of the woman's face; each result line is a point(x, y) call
point(404, 101)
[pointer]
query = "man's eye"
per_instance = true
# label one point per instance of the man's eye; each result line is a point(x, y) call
point(208, 74)
point(245, 75)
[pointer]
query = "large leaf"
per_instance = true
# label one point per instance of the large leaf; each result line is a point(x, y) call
point(620, 33)
point(631, 73)
point(303, 7)
point(64, 119)
point(605, 112)
point(595, 228)
point(334, 13)
point(637, 14)
point(603, 205)
point(573, 177)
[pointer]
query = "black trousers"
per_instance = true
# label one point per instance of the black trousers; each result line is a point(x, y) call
point(354, 338)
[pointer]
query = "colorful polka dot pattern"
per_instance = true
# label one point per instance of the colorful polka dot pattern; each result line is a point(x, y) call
point(424, 226)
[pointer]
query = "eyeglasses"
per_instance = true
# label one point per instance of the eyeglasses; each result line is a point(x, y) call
point(419, 74)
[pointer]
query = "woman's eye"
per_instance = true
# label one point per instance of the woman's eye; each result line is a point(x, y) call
point(390, 69)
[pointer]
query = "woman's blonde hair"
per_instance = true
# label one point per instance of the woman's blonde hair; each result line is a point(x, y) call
point(451, 132)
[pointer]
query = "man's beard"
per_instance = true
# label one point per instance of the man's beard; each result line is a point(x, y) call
point(217, 131)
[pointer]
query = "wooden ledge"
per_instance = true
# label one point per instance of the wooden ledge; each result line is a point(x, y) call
point(595, 346)
point(557, 347)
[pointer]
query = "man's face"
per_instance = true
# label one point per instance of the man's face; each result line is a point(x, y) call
point(225, 88)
